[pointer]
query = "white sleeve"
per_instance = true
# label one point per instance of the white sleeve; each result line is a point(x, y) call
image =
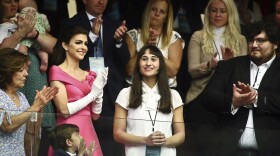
point(176, 99)
point(92, 37)
point(123, 97)
point(175, 37)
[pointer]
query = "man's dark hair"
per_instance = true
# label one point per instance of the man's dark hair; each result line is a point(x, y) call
point(270, 28)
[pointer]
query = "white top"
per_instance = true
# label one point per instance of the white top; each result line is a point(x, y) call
point(136, 38)
point(139, 122)
point(6, 30)
point(219, 41)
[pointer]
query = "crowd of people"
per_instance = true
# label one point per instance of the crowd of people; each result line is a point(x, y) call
point(101, 86)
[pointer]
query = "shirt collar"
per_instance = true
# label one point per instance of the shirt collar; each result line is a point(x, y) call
point(150, 97)
point(266, 64)
point(147, 89)
point(90, 17)
point(71, 154)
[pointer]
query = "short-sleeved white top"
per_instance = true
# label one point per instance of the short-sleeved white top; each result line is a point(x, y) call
point(139, 121)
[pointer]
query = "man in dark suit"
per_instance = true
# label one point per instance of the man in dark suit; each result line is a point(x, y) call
point(245, 93)
point(115, 54)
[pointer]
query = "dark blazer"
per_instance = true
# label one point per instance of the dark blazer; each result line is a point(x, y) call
point(60, 152)
point(114, 58)
point(217, 97)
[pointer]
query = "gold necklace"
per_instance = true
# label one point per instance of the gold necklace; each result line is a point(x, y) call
point(12, 96)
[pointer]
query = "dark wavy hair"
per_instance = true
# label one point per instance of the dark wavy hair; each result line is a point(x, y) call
point(270, 28)
point(162, 79)
point(60, 133)
point(59, 53)
point(11, 61)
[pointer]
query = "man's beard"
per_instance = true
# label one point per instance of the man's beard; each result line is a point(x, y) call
point(256, 57)
point(259, 59)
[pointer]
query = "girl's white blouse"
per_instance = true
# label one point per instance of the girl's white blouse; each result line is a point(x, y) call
point(139, 122)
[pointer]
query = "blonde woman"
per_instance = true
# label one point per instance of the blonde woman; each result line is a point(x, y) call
point(157, 29)
point(220, 39)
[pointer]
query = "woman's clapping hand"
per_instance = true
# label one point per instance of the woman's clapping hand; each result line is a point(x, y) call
point(43, 97)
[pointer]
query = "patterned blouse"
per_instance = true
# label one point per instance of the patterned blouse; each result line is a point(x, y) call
point(12, 143)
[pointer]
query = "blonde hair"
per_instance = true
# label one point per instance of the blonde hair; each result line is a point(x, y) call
point(232, 29)
point(167, 26)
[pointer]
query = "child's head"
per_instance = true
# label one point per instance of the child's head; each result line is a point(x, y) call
point(27, 3)
point(65, 136)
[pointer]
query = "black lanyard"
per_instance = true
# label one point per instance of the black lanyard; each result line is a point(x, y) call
point(153, 122)
point(256, 78)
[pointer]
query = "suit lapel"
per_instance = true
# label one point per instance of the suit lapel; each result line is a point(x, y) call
point(243, 69)
point(85, 21)
point(268, 76)
point(104, 25)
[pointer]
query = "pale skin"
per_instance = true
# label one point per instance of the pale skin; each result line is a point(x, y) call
point(120, 32)
point(96, 9)
point(25, 28)
point(172, 62)
point(81, 148)
point(41, 100)
point(218, 17)
point(243, 95)
point(227, 53)
point(149, 66)
point(76, 49)
point(154, 139)
point(158, 15)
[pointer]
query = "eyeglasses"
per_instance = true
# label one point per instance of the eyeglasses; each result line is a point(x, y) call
point(259, 41)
